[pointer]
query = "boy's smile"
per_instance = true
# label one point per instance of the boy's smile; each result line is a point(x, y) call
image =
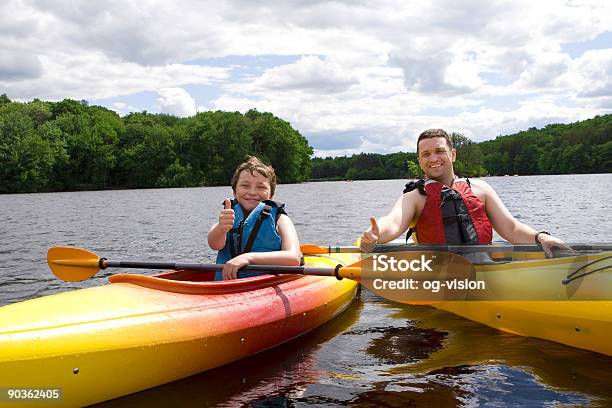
point(251, 189)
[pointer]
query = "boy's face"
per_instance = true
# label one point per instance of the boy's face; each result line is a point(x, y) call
point(251, 189)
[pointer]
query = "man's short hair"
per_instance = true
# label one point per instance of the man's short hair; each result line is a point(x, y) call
point(431, 133)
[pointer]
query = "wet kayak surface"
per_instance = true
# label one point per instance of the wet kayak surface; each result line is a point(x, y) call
point(377, 353)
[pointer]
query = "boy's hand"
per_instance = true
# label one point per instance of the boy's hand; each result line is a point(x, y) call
point(226, 217)
point(231, 267)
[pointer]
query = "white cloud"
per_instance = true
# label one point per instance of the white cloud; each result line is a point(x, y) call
point(371, 73)
point(95, 76)
point(310, 73)
point(591, 74)
point(16, 66)
point(544, 72)
point(123, 108)
point(176, 101)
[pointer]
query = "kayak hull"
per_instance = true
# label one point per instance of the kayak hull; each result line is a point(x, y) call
point(581, 323)
point(577, 313)
point(139, 332)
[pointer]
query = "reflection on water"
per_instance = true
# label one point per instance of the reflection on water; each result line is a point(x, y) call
point(376, 354)
point(401, 345)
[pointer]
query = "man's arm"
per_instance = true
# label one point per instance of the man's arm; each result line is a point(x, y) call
point(509, 227)
point(393, 224)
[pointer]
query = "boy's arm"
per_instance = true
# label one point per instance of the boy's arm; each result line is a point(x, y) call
point(289, 253)
point(216, 237)
point(217, 233)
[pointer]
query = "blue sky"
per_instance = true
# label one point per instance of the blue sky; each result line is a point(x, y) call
point(364, 76)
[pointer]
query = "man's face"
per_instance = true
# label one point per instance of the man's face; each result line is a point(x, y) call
point(436, 158)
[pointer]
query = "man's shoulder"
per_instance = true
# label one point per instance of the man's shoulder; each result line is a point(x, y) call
point(413, 194)
point(482, 190)
point(414, 200)
point(480, 183)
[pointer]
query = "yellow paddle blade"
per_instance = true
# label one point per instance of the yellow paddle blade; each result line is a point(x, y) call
point(311, 249)
point(72, 264)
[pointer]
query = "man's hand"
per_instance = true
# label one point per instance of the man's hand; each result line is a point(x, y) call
point(549, 242)
point(370, 237)
point(226, 217)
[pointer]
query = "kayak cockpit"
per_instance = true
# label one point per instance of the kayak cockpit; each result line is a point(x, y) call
point(200, 283)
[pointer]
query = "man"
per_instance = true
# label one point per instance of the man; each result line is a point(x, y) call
point(447, 210)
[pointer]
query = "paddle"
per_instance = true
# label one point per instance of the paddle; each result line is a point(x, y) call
point(312, 249)
point(74, 264)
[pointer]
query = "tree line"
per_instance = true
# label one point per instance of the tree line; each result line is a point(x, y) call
point(578, 148)
point(69, 145)
point(372, 166)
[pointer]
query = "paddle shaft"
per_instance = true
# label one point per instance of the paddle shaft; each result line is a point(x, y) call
point(459, 249)
point(270, 269)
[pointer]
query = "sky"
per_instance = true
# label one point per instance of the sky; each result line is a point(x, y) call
point(351, 76)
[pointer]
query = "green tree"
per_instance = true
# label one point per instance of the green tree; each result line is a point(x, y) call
point(4, 99)
point(27, 158)
point(147, 151)
point(414, 170)
point(90, 144)
point(469, 156)
point(278, 143)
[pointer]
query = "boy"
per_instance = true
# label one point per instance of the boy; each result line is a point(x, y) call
point(252, 229)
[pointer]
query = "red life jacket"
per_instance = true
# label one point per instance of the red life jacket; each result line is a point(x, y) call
point(451, 215)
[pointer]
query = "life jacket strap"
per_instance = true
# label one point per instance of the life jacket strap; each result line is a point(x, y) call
point(265, 212)
point(411, 231)
point(458, 225)
point(412, 185)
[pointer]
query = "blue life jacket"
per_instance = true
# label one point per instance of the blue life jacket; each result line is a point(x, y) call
point(255, 233)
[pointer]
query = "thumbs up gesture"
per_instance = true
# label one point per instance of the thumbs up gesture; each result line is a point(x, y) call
point(370, 237)
point(226, 217)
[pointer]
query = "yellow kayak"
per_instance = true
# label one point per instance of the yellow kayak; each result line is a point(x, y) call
point(137, 332)
point(577, 313)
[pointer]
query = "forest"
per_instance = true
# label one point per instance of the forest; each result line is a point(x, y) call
point(70, 145)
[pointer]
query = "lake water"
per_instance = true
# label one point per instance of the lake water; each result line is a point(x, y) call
point(378, 353)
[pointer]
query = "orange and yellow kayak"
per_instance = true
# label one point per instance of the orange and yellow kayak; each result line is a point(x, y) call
point(140, 331)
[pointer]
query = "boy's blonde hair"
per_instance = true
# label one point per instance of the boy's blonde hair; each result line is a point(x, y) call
point(253, 164)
